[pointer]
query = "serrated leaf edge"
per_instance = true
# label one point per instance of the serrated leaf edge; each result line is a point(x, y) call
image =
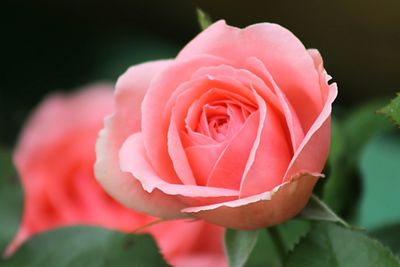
point(382, 111)
point(364, 236)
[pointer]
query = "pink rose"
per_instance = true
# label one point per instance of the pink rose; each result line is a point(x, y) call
point(235, 130)
point(55, 157)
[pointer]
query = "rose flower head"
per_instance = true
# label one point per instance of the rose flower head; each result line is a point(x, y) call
point(235, 130)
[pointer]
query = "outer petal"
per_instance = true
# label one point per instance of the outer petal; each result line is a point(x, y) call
point(323, 75)
point(269, 156)
point(130, 90)
point(133, 159)
point(282, 53)
point(292, 120)
point(262, 210)
point(74, 111)
point(314, 149)
point(192, 243)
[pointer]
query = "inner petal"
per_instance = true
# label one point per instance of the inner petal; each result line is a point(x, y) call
point(221, 118)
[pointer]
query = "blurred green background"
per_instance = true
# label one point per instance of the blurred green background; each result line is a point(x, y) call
point(50, 45)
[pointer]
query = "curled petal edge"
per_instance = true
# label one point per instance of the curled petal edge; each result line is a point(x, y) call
point(262, 210)
point(125, 188)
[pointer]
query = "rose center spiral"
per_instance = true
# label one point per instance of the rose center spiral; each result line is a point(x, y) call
point(222, 119)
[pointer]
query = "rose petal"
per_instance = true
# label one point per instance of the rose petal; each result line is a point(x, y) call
point(281, 52)
point(190, 243)
point(156, 113)
point(202, 165)
point(133, 159)
point(314, 149)
point(269, 156)
point(292, 120)
point(228, 169)
point(197, 93)
point(58, 107)
point(262, 210)
point(240, 76)
point(177, 153)
point(126, 189)
point(323, 75)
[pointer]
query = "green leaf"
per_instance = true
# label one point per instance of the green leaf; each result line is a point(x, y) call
point(238, 246)
point(265, 254)
point(379, 204)
point(292, 231)
point(392, 111)
point(390, 236)
point(10, 200)
point(330, 245)
point(316, 210)
point(203, 18)
point(85, 246)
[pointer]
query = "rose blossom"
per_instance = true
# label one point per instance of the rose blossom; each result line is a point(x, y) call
point(55, 156)
point(235, 130)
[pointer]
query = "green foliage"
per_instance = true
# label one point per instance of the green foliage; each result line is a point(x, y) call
point(10, 200)
point(349, 136)
point(317, 210)
point(380, 170)
point(392, 111)
point(265, 252)
point(292, 231)
point(238, 246)
point(331, 245)
point(203, 18)
point(86, 247)
point(390, 236)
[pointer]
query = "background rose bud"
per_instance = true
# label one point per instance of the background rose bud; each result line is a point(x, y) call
point(55, 157)
point(235, 130)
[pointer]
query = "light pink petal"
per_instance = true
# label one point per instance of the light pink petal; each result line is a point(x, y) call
point(133, 159)
point(202, 160)
point(177, 153)
point(130, 90)
point(269, 155)
point(156, 112)
point(188, 105)
point(228, 169)
point(200, 260)
point(262, 210)
point(192, 98)
point(76, 112)
point(187, 243)
point(292, 120)
point(323, 75)
point(241, 76)
point(281, 52)
point(314, 149)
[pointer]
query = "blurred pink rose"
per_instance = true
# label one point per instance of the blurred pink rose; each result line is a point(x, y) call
point(55, 157)
point(235, 130)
